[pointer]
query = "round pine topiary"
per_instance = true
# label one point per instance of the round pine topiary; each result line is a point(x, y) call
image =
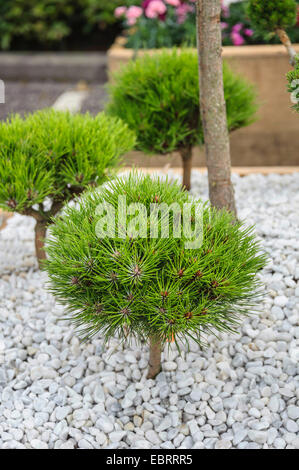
point(51, 156)
point(272, 15)
point(158, 97)
point(119, 277)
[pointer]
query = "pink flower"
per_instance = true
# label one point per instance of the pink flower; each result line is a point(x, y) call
point(225, 11)
point(155, 8)
point(174, 3)
point(182, 11)
point(237, 27)
point(237, 39)
point(224, 25)
point(248, 32)
point(132, 14)
point(120, 11)
point(146, 3)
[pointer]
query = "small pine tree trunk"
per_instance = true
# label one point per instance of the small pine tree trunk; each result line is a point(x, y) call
point(40, 235)
point(186, 154)
point(284, 38)
point(212, 104)
point(155, 358)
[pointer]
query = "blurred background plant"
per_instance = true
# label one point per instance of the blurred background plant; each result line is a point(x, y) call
point(58, 24)
point(165, 23)
point(94, 24)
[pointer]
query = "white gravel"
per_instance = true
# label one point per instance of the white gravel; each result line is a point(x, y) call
point(241, 392)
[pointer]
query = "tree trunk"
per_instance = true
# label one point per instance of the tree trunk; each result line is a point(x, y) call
point(155, 358)
point(186, 154)
point(284, 38)
point(212, 104)
point(40, 235)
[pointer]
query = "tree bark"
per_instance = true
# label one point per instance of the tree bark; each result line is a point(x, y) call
point(212, 104)
point(40, 235)
point(186, 154)
point(284, 38)
point(155, 358)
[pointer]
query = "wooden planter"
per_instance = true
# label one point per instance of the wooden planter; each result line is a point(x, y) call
point(272, 140)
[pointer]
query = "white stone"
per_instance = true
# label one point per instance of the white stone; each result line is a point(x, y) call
point(117, 436)
point(61, 412)
point(81, 414)
point(38, 444)
point(260, 437)
point(293, 412)
point(281, 301)
point(105, 424)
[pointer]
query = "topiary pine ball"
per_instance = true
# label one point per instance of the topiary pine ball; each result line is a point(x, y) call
point(270, 15)
point(140, 286)
point(158, 97)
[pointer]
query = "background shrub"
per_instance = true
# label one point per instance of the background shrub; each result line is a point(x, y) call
point(57, 23)
point(51, 156)
point(158, 97)
point(271, 15)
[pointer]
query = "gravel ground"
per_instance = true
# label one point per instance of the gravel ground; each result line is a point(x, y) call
point(238, 393)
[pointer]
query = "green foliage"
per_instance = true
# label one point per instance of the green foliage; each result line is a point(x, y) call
point(158, 97)
point(143, 286)
point(267, 16)
point(48, 22)
point(101, 12)
point(53, 154)
point(293, 85)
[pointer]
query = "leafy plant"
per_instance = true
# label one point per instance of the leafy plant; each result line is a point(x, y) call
point(293, 84)
point(152, 289)
point(50, 157)
point(158, 97)
point(272, 14)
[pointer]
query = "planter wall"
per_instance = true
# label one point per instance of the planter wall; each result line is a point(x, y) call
point(274, 138)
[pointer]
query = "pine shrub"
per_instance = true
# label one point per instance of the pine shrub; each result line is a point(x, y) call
point(158, 97)
point(49, 157)
point(271, 15)
point(152, 288)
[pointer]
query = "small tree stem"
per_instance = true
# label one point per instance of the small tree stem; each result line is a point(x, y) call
point(155, 358)
point(186, 154)
point(284, 38)
point(40, 235)
point(213, 106)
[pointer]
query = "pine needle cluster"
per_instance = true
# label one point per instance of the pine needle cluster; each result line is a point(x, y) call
point(143, 287)
point(270, 15)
